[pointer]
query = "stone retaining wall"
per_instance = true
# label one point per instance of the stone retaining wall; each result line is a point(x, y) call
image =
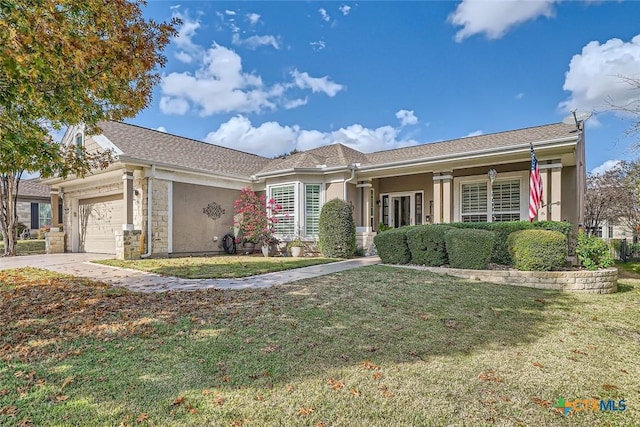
point(603, 281)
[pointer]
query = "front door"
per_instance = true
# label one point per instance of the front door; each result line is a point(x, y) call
point(401, 211)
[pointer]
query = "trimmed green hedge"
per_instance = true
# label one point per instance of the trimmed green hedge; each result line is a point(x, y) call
point(538, 250)
point(426, 244)
point(337, 231)
point(392, 246)
point(469, 248)
point(500, 252)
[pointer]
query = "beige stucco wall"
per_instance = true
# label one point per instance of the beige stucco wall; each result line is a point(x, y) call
point(570, 199)
point(193, 230)
point(406, 183)
point(334, 190)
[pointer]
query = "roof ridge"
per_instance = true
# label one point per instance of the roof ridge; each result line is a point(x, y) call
point(190, 139)
point(484, 135)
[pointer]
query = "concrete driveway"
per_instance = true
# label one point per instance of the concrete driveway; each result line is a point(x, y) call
point(79, 264)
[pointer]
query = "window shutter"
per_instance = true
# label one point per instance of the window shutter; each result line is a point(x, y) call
point(35, 216)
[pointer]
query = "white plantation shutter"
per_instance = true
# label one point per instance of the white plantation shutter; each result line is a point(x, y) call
point(474, 202)
point(312, 209)
point(506, 200)
point(285, 196)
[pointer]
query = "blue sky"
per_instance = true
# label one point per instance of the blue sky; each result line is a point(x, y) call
point(267, 77)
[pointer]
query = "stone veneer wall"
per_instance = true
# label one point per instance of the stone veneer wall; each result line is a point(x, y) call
point(23, 210)
point(160, 218)
point(603, 281)
point(128, 244)
point(54, 242)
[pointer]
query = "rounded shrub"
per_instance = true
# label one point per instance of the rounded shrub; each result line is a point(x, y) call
point(337, 231)
point(426, 244)
point(500, 253)
point(593, 252)
point(469, 248)
point(538, 250)
point(392, 246)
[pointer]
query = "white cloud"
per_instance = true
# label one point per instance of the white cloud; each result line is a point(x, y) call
point(184, 39)
point(594, 76)
point(406, 117)
point(323, 13)
point(176, 106)
point(519, 96)
point(272, 138)
point(318, 46)
point(608, 165)
point(495, 18)
point(183, 56)
point(253, 18)
point(161, 129)
point(255, 42)
point(220, 85)
point(345, 9)
point(295, 103)
point(474, 133)
point(230, 12)
point(316, 84)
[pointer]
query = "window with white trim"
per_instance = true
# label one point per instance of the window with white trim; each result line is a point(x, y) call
point(285, 196)
point(79, 143)
point(506, 201)
point(474, 202)
point(312, 208)
point(44, 214)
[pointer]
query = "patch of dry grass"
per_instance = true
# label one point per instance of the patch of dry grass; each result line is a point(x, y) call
point(374, 346)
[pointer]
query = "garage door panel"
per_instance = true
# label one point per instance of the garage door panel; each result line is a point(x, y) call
point(100, 218)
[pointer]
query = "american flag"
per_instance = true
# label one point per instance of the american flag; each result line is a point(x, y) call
point(535, 187)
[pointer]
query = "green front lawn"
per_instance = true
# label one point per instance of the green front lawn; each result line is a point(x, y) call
point(27, 247)
point(217, 267)
point(376, 346)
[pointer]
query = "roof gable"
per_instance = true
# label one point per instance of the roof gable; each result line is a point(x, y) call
point(157, 147)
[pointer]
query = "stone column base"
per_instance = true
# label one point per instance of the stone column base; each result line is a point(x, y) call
point(128, 244)
point(54, 242)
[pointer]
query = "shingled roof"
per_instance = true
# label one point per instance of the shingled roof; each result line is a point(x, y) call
point(33, 188)
point(327, 155)
point(157, 147)
point(474, 143)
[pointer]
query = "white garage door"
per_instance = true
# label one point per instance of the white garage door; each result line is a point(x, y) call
point(99, 219)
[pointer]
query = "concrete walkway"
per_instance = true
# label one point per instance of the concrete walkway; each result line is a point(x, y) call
point(79, 264)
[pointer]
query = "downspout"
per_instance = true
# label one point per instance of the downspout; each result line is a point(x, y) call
point(149, 211)
point(353, 175)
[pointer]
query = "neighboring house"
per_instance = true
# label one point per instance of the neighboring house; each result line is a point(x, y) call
point(612, 230)
point(34, 204)
point(179, 192)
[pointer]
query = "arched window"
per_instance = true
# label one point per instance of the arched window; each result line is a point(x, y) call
point(79, 143)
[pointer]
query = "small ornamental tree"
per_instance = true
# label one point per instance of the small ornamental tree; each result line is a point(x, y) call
point(337, 230)
point(255, 217)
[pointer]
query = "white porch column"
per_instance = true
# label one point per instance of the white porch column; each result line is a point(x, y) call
point(365, 206)
point(551, 175)
point(446, 199)
point(556, 194)
point(442, 192)
point(544, 210)
point(127, 178)
point(437, 200)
